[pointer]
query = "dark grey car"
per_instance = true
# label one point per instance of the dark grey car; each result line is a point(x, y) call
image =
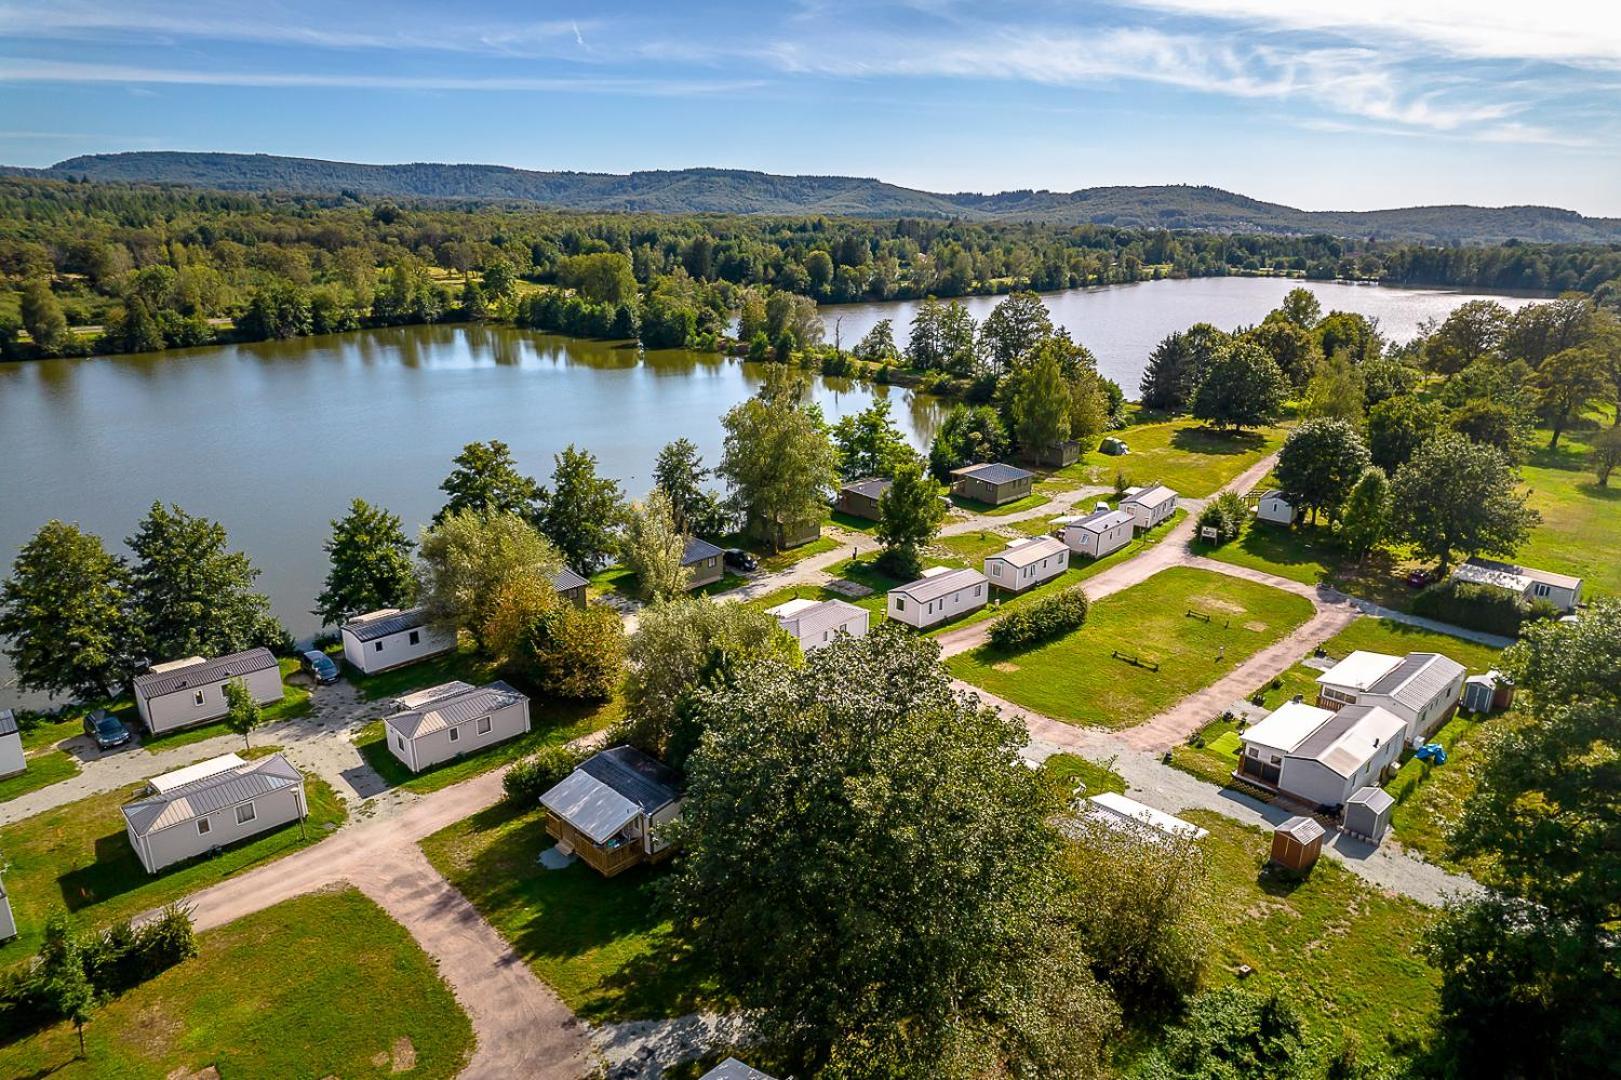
point(108, 730)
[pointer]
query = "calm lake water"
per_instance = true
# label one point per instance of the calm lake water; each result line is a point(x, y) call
point(274, 439)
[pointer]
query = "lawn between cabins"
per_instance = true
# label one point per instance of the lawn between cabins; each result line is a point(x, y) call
point(1081, 679)
point(1428, 797)
point(78, 857)
point(1580, 520)
point(320, 985)
point(1182, 454)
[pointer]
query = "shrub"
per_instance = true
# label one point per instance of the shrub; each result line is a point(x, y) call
point(530, 778)
point(1226, 513)
point(900, 562)
point(1474, 607)
point(1041, 620)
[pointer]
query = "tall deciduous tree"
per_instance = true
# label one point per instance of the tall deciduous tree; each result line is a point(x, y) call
point(43, 319)
point(1606, 454)
point(1397, 427)
point(679, 472)
point(1292, 347)
point(1472, 330)
point(779, 461)
point(910, 513)
point(1367, 512)
point(1301, 307)
point(191, 594)
point(683, 648)
point(469, 558)
point(1038, 405)
point(1529, 984)
point(582, 511)
point(371, 565)
point(934, 884)
point(652, 547)
point(1335, 390)
point(64, 614)
point(878, 345)
point(1015, 326)
point(869, 443)
point(1566, 383)
point(1319, 463)
point(1243, 387)
point(969, 434)
point(1455, 498)
point(486, 480)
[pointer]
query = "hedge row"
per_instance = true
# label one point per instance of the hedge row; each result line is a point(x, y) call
point(1041, 620)
point(1480, 607)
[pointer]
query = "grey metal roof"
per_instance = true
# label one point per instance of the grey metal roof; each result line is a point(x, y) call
point(1032, 551)
point(453, 708)
point(1150, 496)
point(994, 472)
point(1374, 798)
point(8, 722)
point(826, 615)
point(697, 550)
point(220, 669)
point(1325, 745)
point(1331, 729)
point(1303, 829)
point(872, 489)
point(210, 794)
point(733, 1069)
point(645, 781)
point(364, 629)
point(566, 579)
point(1101, 521)
point(932, 588)
point(1417, 680)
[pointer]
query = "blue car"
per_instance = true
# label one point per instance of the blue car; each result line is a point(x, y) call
point(320, 665)
point(108, 730)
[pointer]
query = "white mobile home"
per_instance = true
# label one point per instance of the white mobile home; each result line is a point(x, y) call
point(12, 760)
point(815, 623)
point(192, 691)
point(1421, 688)
point(1149, 506)
point(1275, 509)
point(453, 719)
point(938, 595)
point(1116, 811)
point(1025, 563)
point(213, 803)
point(1099, 533)
point(1561, 590)
point(1319, 756)
point(391, 638)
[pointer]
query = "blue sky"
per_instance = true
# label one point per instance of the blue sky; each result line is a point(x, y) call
point(1355, 104)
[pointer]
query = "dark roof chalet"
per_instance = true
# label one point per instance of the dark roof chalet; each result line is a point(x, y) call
point(220, 669)
point(645, 781)
point(993, 473)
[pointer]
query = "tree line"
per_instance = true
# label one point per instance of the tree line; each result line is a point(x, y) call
point(161, 267)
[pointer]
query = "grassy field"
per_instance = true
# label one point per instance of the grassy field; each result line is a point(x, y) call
point(1343, 952)
point(1311, 556)
point(44, 769)
point(78, 857)
point(974, 506)
point(598, 942)
point(321, 985)
point(1580, 520)
point(552, 723)
point(1071, 770)
point(1078, 678)
point(295, 702)
point(1212, 755)
point(1429, 798)
point(1182, 454)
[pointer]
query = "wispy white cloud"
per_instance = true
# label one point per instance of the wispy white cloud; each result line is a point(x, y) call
point(81, 72)
point(1563, 31)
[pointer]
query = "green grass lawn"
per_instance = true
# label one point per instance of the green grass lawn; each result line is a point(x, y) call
point(1182, 454)
point(1212, 754)
point(1342, 951)
point(599, 942)
point(463, 665)
point(44, 769)
point(1430, 798)
point(320, 985)
point(974, 506)
point(1070, 770)
point(1580, 520)
point(1077, 678)
point(852, 523)
point(1312, 556)
point(621, 582)
point(552, 723)
point(295, 702)
point(78, 857)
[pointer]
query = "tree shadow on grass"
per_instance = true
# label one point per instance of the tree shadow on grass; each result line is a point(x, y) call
point(1205, 440)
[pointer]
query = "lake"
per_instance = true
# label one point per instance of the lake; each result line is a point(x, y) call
point(274, 439)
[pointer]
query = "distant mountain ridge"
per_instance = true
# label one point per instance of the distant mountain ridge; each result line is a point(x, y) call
point(738, 191)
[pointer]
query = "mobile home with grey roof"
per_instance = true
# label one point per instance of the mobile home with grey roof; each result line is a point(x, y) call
point(192, 691)
point(443, 722)
point(938, 595)
point(391, 638)
point(212, 804)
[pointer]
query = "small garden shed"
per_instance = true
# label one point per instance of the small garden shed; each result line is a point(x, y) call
point(1367, 813)
point(1297, 843)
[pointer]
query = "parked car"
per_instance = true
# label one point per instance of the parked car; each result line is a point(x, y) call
point(108, 730)
point(1419, 578)
point(320, 665)
point(738, 559)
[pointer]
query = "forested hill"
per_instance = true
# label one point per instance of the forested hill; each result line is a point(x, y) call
point(734, 191)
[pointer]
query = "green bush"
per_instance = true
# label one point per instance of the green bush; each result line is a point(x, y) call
point(1042, 620)
point(532, 777)
point(1474, 607)
point(1226, 513)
